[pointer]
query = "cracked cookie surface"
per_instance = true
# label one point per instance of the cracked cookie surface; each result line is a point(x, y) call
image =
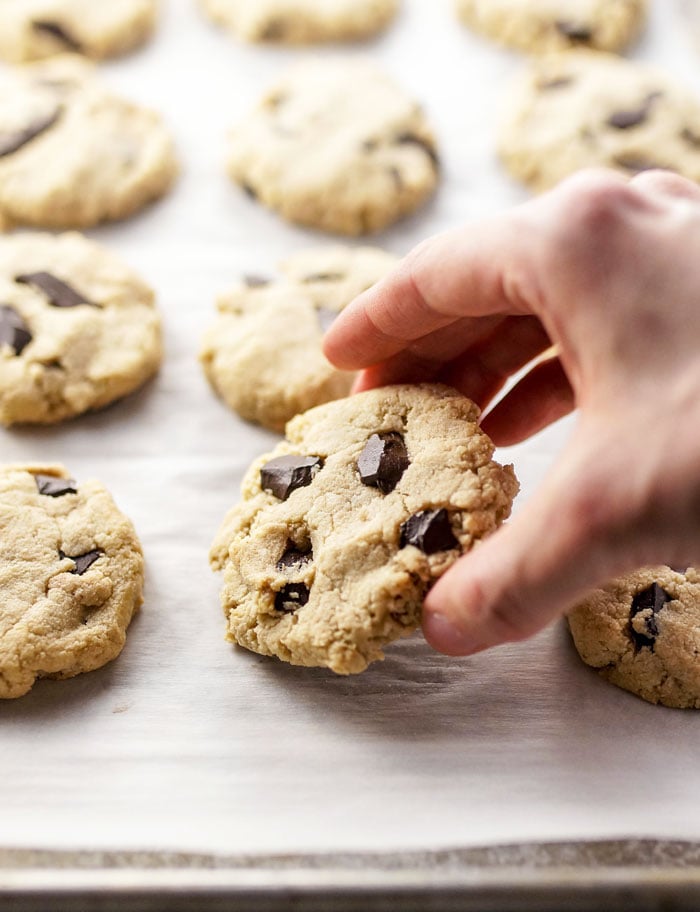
point(263, 352)
point(71, 153)
point(78, 329)
point(344, 527)
point(71, 576)
point(336, 145)
point(36, 29)
point(537, 26)
point(301, 21)
point(585, 109)
point(642, 633)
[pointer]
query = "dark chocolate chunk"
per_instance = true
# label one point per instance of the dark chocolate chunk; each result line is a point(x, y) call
point(693, 139)
point(293, 596)
point(383, 461)
point(285, 474)
point(249, 191)
point(323, 277)
point(254, 281)
point(57, 31)
point(11, 142)
point(58, 293)
point(294, 557)
point(82, 562)
point(13, 330)
point(430, 531)
point(636, 165)
point(51, 486)
point(652, 599)
point(623, 120)
point(411, 138)
point(558, 83)
point(326, 318)
point(275, 30)
point(574, 31)
point(680, 569)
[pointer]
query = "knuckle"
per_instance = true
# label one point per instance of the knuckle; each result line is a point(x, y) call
point(596, 201)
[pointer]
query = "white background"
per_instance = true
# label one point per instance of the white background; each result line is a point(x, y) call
point(188, 743)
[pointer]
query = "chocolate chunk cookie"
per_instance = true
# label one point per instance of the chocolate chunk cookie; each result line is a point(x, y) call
point(263, 353)
point(301, 21)
point(336, 145)
point(71, 576)
point(71, 153)
point(345, 526)
point(539, 26)
point(642, 633)
point(583, 109)
point(35, 29)
point(78, 329)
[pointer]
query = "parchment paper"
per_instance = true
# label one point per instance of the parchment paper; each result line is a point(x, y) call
point(188, 743)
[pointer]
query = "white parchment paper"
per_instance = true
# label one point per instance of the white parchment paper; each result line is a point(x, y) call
point(187, 743)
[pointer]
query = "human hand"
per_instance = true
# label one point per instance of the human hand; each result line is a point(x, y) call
point(608, 271)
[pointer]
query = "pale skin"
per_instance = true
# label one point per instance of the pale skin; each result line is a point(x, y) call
point(608, 271)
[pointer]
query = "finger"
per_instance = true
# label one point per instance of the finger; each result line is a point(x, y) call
point(469, 272)
point(542, 397)
point(565, 542)
point(667, 184)
point(481, 371)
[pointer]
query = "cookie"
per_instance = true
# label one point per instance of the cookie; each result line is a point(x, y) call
point(583, 108)
point(344, 527)
point(71, 153)
point(301, 21)
point(71, 576)
point(335, 145)
point(36, 29)
point(78, 329)
point(537, 26)
point(642, 633)
point(263, 354)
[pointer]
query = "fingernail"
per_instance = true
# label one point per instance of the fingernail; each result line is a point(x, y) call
point(444, 636)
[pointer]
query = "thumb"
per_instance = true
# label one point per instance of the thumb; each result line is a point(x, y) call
point(567, 540)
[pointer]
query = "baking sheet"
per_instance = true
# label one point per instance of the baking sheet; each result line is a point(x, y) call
point(188, 744)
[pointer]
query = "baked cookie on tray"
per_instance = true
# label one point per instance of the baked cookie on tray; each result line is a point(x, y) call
point(642, 633)
point(582, 108)
point(263, 353)
point(35, 29)
point(344, 527)
point(78, 328)
point(72, 154)
point(537, 26)
point(302, 21)
point(71, 576)
point(336, 145)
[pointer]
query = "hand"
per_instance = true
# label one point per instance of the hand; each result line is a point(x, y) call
point(608, 272)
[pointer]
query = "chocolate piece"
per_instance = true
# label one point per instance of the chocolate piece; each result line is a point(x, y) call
point(249, 191)
point(326, 318)
point(285, 474)
point(82, 562)
point(11, 142)
point(254, 281)
point(652, 599)
point(558, 83)
point(293, 596)
point(690, 137)
point(579, 34)
point(58, 293)
point(623, 120)
point(636, 165)
point(411, 138)
point(383, 461)
point(323, 277)
point(13, 330)
point(294, 557)
point(430, 531)
point(57, 31)
point(275, 30)
point(51, 486)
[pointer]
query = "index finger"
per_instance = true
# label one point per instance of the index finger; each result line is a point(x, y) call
point(468, 272)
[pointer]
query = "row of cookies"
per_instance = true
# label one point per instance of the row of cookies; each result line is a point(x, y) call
point(36, 29)
point(335, 145)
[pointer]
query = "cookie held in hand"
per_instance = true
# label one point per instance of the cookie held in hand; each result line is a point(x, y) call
point(71, 576)
point(345, 526)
